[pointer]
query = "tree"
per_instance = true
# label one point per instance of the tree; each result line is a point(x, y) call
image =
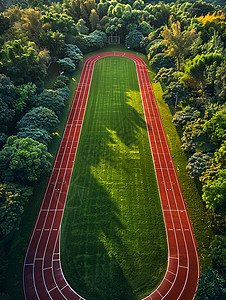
point(40, 118)
point(175, 93)
point(52, 100)
point(145, 28)
point(53, 41)
point(211, 286)
point(26, 97)
point(161, 60)
point(188, 114)
point(199, 163)
point(81, 27)
point(7, 89)
point(218, 250)
point(166, 76)
point(220, 83)
point(61, 82)
point(24, 159)
point(6, 114)
point(32, 23)
point(215, 128)
point(94, 19)
point(154, 48)
point(73, 52)
point(195, 69)
point(12, 200)
point(194, 138)
point(133, 39)
point(10, 211)
point(214, 193)
point(178, 43)
point(67, 64)
point(37, 134)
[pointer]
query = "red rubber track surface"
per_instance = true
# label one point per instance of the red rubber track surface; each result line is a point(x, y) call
point(43, 277)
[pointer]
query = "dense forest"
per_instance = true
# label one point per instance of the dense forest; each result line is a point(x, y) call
point(185, 42)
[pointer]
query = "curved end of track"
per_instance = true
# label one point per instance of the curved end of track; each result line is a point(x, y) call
point(43, 277)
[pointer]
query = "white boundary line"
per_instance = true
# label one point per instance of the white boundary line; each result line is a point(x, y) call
point(141, 72)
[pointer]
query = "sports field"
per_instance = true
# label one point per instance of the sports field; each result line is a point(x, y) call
point(113, 241)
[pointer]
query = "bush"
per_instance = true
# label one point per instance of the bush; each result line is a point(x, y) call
point(188, 114)
point(211, 286)
point(161, 61)
point(199, 163)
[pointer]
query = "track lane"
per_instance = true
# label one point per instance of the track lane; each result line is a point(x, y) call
point(42, 273)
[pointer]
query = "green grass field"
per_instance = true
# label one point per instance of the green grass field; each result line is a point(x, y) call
point(113, 241)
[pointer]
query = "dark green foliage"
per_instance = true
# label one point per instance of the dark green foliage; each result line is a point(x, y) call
point(133, 39)
point(154, 48)
point(175, 93)
point(220, 83)
point(215, 128)
point(161, 61)
point(61, 82)
point(166, 76)
point(6, 114)
point(7, 89)
point(199, 163)
point(23, 159)
point(12, 200)
point(4, 23)
point(211, 286)
point(67, 65)
point(145, 28)
point(40, 118)
point(26, 97)
point(214, 193)
point(194, 138)
point(200, 8)
point(188, 114)
point(63, 92)
point(73, 52)
point(53, 41)
point(3, 138)
point(40, 135)
point(52, 100)
point(218, 251)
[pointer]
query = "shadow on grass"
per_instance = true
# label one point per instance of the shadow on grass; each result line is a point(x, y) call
point(99, 250)
point(94, 272)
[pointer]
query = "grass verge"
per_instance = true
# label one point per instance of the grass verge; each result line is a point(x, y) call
point(113, 241)
point(195, 205)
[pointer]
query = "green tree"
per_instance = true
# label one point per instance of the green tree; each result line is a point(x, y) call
point(40, 118)
point(218, 250)
point(133, 39)
point(161, 60)
point(93, 19)
point(199, 163)
point(52, 100)
point(24, 159)
point(178, 43)
point(188, 114)
point(215, 128)
point(81, 27)
point(214, 193)
point(211, 286)
point(11, 210)
point(194, 138)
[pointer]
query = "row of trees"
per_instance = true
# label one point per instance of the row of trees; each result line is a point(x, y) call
point(189, 59)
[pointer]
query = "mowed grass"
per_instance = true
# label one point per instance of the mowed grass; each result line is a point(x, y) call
point(113, 240)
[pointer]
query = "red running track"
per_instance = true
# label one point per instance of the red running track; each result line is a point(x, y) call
point(43, 277)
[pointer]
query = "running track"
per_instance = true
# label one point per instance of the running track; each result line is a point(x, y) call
point(43, 277)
